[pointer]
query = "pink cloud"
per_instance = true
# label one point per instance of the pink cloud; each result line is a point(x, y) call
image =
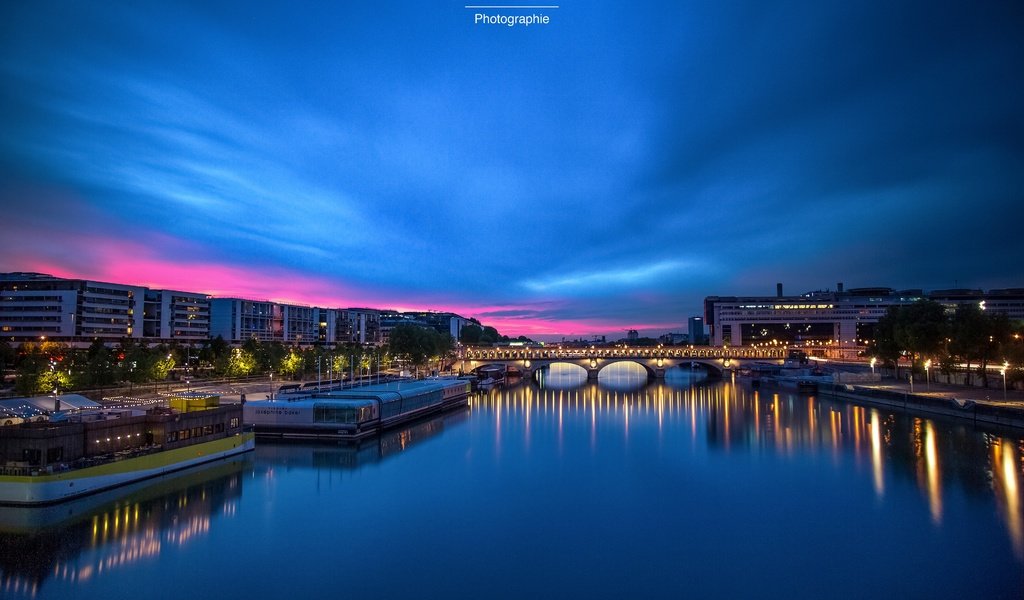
point(171, 263)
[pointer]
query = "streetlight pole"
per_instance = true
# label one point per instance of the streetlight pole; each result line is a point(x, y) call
point(1003, 373)
point(927, 381)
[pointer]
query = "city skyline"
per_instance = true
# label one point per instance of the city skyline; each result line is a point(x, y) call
point(599, 173)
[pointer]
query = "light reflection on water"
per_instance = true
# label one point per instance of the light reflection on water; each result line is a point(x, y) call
point(99, 536)
point(676, 488)
point(730, 417)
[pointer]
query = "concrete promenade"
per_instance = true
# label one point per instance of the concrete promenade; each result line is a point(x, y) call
point(991, 395)
point(977, 404)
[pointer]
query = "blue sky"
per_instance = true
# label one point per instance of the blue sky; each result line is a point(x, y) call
point(603, 172)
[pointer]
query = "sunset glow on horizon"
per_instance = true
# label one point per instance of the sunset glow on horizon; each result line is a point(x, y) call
point(602, 173)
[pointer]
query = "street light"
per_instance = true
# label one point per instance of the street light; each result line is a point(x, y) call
point(873, 360)
point(1003, 373)
point(927, 382)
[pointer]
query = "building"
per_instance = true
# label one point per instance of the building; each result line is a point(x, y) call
point(674, 339)
point(357, 326)
point(695, 327)
point(838, 323)
point(238, 319)
point(34, 306)
point(173, 315)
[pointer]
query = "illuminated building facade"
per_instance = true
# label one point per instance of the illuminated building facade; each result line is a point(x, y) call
point(172, 315)
point(840, 323)
point(34, 306)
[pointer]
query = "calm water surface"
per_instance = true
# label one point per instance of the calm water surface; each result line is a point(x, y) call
point(565, 489)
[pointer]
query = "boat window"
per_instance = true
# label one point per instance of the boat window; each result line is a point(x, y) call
point(340, 414)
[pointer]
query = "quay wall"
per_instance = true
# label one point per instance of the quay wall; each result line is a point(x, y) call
point(1006, 416)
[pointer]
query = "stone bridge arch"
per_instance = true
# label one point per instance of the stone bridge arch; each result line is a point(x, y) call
point(656, 361)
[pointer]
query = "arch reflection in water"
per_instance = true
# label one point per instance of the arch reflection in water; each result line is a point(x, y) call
point(74, 542)
point(561, 376)
point(623, 376)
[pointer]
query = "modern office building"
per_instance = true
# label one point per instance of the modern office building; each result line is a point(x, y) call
point(840, 323)
point(357, 326)
point(174, 315)
point(34, 306)
point(695, 328)
point(239, 319)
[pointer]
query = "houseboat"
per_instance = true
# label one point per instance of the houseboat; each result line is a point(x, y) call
point(63, 454)
point(354, 413)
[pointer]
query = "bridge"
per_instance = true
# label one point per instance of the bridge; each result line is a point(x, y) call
point(656, 360)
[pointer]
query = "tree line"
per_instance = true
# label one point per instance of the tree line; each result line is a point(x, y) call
point(969, 338)
point(42, 367)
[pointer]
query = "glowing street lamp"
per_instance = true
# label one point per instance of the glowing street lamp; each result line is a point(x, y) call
point(873, 361)
point(927, 365)
point(1003, 373)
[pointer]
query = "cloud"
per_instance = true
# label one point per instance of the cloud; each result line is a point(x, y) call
point(613, 279)
point(605, 174)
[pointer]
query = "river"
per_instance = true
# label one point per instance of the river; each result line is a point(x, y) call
point(567, 488)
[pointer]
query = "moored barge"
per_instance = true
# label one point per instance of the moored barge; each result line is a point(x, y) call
point(72, 455)
point(354, 413)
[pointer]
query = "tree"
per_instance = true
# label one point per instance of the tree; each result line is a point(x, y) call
point(161, 363)
point(968, 335)
point(998, 334)
point(241, 363)
point(917, 329)
point(99, 365)
point(884, 345)
point(921, 329)
point(41, 368)
point(291, 364)
point(417, 344)
point(489, 335)
point(7, 357)
point(216, 353)
point(471, 334)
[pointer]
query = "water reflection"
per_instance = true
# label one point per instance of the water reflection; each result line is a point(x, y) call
point(726, 418)
point(561, 376)
point(328, 457)
point(1006, 476)
point(645, 489)
point(92, 537)
point(623, 376)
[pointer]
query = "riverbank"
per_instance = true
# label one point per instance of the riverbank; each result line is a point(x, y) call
point(979, 405)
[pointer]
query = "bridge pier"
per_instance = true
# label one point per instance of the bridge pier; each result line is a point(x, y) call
point(592, 373)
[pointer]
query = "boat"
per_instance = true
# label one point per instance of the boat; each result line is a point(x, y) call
point(491, 376)
point(91, 449)
point(798, 379)
point(354, 413)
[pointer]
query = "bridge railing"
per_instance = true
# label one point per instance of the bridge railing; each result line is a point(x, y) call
point(620, 353)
